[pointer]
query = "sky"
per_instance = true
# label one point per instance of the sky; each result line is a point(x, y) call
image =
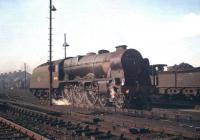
point(164, 31)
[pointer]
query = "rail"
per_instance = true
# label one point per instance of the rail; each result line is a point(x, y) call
point(23, 130)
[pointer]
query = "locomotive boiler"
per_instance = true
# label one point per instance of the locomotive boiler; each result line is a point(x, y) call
point(120, 78)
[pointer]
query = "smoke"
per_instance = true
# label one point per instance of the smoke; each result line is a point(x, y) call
point(62, 101)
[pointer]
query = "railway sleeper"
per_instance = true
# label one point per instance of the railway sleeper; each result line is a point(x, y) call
point(139, 130)
point(66, 124)
point(80, 131)
point(58, 123)
point(13, 137)
point(5, 133)
point(92, 133)
point(5, 129)
point(101, 137)
point(72, 127)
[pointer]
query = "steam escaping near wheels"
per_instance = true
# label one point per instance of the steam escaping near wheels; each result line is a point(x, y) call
point(62, 101)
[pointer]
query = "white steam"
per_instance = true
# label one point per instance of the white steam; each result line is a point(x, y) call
point(62, 101)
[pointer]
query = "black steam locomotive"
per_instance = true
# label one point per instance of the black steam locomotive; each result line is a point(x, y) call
point(120, 78)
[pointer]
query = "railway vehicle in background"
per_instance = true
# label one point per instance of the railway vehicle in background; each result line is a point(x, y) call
point(120, 78)
point(177, 84)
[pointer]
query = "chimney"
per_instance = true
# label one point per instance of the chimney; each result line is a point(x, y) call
point(121, 47)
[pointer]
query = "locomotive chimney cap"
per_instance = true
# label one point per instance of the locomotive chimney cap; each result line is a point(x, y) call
point(103, 51)
point(121, 47)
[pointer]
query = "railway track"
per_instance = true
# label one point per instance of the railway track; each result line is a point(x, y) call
point(69, 122)
point(54, 126)
point(157, 126)
point(95, 124)
point(11, 130)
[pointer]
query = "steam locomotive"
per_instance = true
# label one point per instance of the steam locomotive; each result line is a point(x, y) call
point(120, 78)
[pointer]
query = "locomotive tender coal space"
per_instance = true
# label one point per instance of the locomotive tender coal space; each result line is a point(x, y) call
point(182, 85)
point(120, 78)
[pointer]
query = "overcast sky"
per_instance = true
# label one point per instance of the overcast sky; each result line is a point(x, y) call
point(165, 31)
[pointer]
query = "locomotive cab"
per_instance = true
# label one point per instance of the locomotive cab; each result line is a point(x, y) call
point(39, 80)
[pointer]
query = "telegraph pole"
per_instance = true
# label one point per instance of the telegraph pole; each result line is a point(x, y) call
point(51, 8)
point(65, 44)
point(25, 75)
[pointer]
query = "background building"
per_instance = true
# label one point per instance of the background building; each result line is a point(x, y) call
point(13, 80)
